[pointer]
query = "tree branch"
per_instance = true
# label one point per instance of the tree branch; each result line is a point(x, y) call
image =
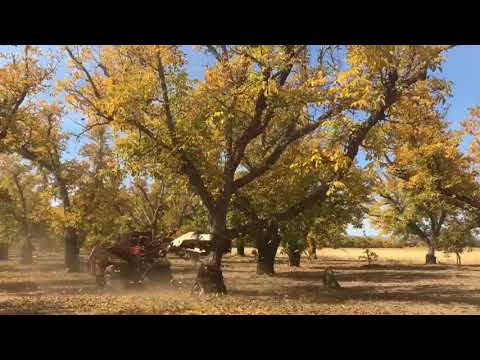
point(84, 70)
point(188, 167)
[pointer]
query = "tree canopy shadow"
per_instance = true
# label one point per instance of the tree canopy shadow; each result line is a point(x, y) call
point(388, 267)
point(428, 294)
point(432, 294)
point(254, 293)
point(365, 276)
point(18, 286)
point(308, 293)
point(8, 268)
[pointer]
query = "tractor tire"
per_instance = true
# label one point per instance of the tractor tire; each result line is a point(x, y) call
point(115, 279)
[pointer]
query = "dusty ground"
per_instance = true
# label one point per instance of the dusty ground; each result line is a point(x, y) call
point(399, 285)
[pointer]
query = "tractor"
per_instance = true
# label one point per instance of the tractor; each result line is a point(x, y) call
point(137, 256)
point(130, 260)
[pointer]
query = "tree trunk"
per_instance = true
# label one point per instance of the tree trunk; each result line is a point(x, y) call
point(430, 258)
point(265, 263)
point(240, 250)
point(3, 251)
point(314, 251)
point(27, 251)
point(294, 257)
point(267, 246)
point(72, 263)
point(27, 248)
point(210, 277)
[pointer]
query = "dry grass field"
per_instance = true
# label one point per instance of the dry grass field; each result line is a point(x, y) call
point(400, 284)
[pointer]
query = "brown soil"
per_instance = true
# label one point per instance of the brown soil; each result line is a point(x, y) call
point(388, 288)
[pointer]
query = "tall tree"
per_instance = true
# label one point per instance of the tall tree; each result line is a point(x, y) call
point(40, 139)
point(399, 212)
point(100, 195)
point(19, 182)
point(379, 96)
point(26, 201)
point(22, 76)
point(420, 169)
point(207, 130)
point(261, 203)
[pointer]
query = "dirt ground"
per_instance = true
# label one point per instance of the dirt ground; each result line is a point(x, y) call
point(400, 284)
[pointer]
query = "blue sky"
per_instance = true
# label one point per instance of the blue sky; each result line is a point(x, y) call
point(461, 67)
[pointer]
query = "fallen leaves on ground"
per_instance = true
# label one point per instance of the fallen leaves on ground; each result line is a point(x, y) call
point(45, 288)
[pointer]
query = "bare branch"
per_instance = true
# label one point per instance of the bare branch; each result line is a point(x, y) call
point(214, 52)
point(84, 70)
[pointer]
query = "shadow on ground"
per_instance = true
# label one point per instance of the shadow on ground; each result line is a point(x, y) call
point(348, 266)
point(9, 268)
point(18, 286)
point(366, 276)
point(320, 295)
point(423, 285)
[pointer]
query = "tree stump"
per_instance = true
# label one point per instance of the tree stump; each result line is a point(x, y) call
point(329, 280)
point(3, 251)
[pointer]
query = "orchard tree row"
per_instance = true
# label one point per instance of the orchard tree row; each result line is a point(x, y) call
point(273, 145)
